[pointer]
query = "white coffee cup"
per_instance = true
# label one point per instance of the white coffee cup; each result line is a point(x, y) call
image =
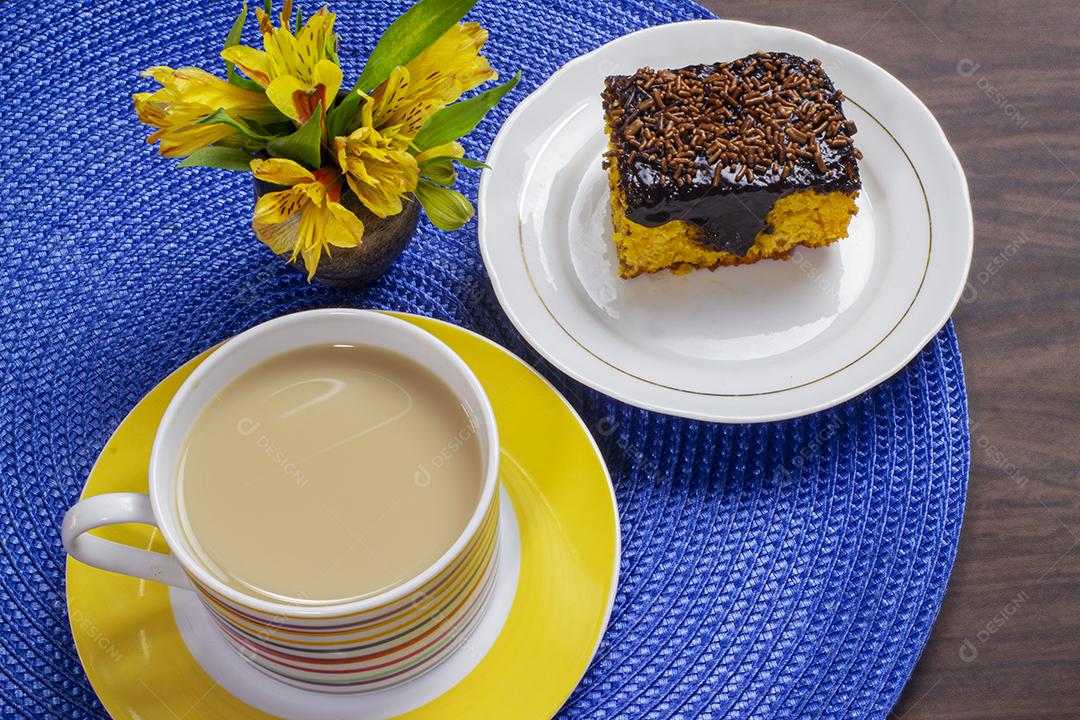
point(360, 645)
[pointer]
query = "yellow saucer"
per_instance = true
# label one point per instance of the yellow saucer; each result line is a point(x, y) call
point(140, 667)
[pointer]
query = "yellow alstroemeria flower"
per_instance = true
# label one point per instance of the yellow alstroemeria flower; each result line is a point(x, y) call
point(296, 71)
point(188, 95)
point(308, 217)
point(378, 166)
point(437, 77)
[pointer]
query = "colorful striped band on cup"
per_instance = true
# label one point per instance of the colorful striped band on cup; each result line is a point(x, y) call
point(378, 647)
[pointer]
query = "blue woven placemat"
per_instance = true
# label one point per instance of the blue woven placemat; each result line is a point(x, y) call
point(784, 570)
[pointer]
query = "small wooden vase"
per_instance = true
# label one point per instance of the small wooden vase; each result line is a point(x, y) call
point(384, 239)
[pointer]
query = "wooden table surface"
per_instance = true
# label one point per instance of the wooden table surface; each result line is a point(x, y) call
point(1003, 79)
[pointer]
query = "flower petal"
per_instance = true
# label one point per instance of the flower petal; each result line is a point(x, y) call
point(252, 62)
point(274, 208)
point(280, 237)
point(379, 170)
point(433, 79)
point(282, 92)
point(344, 229)
point(183, 141)
point(329, 75)
point(451, 149)
point(161, 73)
point(147, 111)
point(315, 37)
point(187, 96)
point(315, 192)
point(311, 260)
point(281, 171)
point(310, 234)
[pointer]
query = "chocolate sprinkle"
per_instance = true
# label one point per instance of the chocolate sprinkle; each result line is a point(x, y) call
point(684, 138)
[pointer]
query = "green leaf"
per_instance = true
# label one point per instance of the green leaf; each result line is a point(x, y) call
point(331, 49)
point(342, 115)
point(219, 157)
point(410, 35)
point(268, 6)
point(298, 22)
point(305, 145)
point(439, 169)
point(447, 209)
point(475, 164)
point(284, 126)
point(220, 116)
point(241, 81)
point(461, 118)
point(233, 38)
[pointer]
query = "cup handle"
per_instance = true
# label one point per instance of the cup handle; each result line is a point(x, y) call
point(113, 509)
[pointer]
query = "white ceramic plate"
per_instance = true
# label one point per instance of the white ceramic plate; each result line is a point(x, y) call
point(760, 342)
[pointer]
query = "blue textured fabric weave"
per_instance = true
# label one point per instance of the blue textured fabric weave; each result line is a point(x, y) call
point(784, 570)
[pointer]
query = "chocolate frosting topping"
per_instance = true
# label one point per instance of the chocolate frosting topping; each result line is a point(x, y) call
point(717, 145)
